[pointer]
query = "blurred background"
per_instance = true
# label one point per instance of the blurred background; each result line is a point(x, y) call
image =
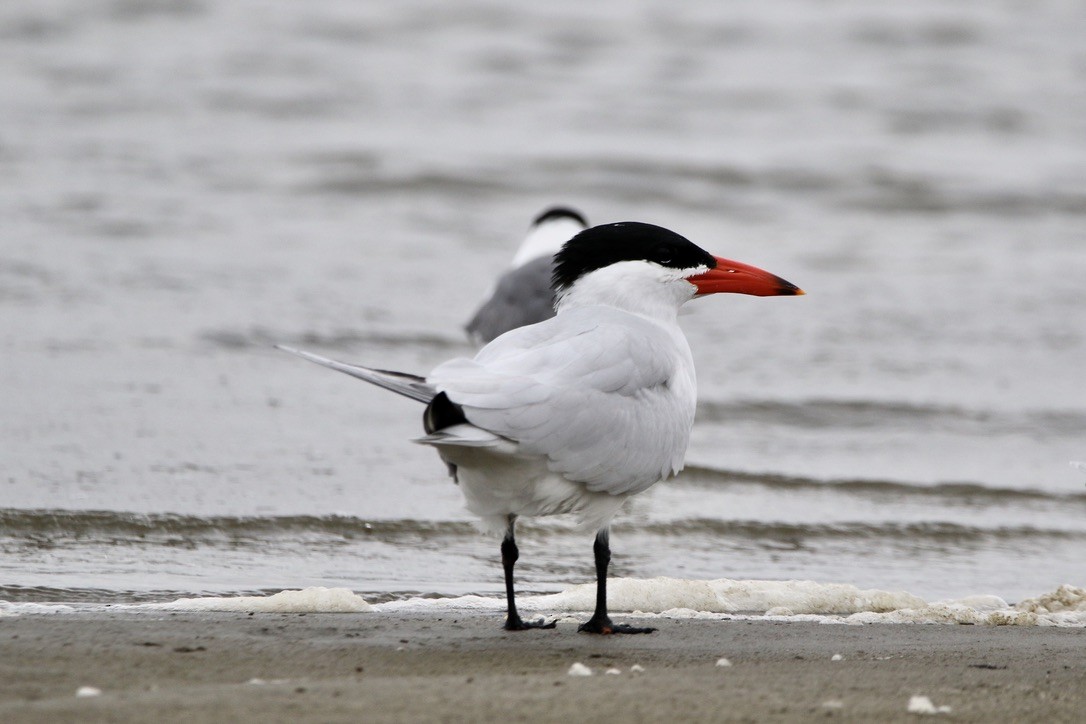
point(184, 183)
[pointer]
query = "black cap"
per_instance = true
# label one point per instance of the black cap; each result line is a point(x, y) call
point(559, 212)
point(602, 246)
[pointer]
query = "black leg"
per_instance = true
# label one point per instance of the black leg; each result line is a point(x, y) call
point(509, 559)
point(600, 622)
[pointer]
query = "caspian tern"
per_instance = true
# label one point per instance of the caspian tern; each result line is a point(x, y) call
point(579, 412)
point(523, 294)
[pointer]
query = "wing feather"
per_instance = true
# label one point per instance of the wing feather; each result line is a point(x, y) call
point(402, 383)
point(602, 395)
point(522, 296)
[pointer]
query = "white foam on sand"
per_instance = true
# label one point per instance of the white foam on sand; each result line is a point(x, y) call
point(664, 598)
point(9, 608)
point(679, 598)
point(1065, 599)
point(316, 599)
point(307, 600)
point(923, 705)
point(781, 600)
point(788, 598)
point(1066, 606)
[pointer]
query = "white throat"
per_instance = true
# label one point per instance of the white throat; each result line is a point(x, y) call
point(639, 287)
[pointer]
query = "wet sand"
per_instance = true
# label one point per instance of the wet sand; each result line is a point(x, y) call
point(462, 667)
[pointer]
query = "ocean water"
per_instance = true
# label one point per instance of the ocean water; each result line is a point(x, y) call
point(185, 184)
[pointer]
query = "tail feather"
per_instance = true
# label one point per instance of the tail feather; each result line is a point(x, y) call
point(464, 435)
point(408, 385)
point(467, 435)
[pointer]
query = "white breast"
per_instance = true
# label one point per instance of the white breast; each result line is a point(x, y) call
point(497, 485)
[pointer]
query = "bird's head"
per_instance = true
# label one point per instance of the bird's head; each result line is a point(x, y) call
point(631, 261)
point(550, 230)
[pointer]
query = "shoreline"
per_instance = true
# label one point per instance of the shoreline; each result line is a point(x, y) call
point(461, 666)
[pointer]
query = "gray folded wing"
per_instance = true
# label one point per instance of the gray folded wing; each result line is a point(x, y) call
point(522, 296)
point(590, 391)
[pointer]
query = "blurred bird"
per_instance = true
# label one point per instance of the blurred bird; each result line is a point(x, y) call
point(523, 295)
point(579, 412)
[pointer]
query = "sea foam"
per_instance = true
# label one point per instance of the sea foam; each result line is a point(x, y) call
point(689, 598)
point(10, 608)
point(781, 600)
point(664, 598)
point(307, 600)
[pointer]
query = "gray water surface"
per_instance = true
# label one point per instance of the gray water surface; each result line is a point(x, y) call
point(184, 184)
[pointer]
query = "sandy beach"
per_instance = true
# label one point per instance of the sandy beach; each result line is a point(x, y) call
point(462, 667)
